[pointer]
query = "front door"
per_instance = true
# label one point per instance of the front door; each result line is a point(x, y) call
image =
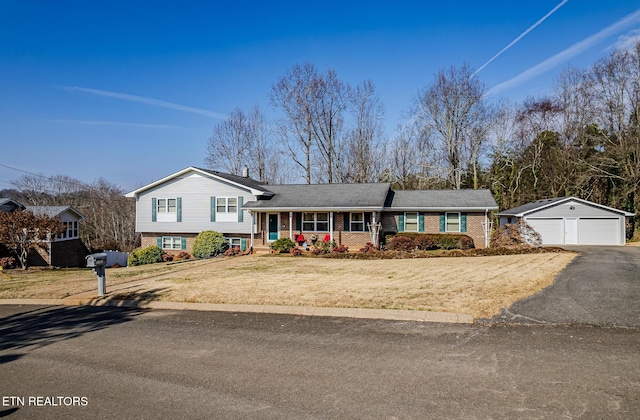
point(571, 231)
point(273, 227)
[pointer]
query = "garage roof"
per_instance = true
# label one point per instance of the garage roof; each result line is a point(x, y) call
point(525, 209)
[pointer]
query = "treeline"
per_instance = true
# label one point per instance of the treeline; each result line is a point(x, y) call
point(582, 139)
point(109, 222)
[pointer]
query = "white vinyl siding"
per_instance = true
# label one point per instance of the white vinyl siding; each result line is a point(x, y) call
point(196, 191)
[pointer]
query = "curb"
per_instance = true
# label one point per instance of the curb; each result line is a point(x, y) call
point(386, 314)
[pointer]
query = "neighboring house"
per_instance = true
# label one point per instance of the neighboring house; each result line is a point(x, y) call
point(172, 211)
point(7, 204)
point(571, 221)
point(66, 249)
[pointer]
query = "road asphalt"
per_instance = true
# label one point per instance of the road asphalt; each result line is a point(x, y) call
point(86, 362)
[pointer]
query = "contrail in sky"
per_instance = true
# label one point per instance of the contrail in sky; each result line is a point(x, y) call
point(148, 101)
point(531, 28)
point(568, 53)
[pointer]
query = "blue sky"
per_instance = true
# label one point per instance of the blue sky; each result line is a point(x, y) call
point(129, 91)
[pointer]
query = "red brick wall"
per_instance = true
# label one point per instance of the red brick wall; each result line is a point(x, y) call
point(432, 225)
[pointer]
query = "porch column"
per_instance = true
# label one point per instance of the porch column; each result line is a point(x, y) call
point(291, 225)
point(331, 225)
point(253, 228)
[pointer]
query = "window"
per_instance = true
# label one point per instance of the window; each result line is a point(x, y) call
point(171, 242)
point(167, 209)
point(234, 242)
point(411, 222)
point(315, 222)
point(453, 222)
point(357, 222)
point(227, 204)
point(70, 230)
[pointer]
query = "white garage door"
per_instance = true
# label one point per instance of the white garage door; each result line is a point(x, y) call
point(599, 231)
point(551, 230)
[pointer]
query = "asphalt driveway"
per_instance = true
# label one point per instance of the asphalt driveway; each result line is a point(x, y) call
point(601, 286)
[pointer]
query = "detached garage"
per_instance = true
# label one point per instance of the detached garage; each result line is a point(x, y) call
point(571, 221)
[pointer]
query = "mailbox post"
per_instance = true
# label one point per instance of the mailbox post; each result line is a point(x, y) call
point(98, 262)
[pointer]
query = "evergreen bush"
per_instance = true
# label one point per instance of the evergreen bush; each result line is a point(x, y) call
point(149, 255)
point(209, 243)
point(283, 245)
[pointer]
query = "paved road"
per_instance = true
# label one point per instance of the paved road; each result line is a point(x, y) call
point(601, 286)
point(187, 364)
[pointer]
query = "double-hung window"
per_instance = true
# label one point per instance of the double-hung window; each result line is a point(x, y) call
point(167, 209)
point(171, 242)
point(357, 222)
point(227, 204)
point(315, 222)
point(453, 222)
point(411, 222)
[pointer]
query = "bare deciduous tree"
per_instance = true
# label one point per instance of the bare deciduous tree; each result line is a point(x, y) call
point(295, 94)
point(453, 111)
point(364, 151)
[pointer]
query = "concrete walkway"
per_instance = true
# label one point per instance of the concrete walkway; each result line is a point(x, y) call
point(141, 286)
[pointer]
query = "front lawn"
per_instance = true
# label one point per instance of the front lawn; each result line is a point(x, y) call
point(478, 286)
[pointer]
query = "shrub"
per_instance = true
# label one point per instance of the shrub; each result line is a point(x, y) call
point(341, 249)
point(425, 243)
point(447, 242)
point(465, 242)
point(295, 252)
point(321, 247)
point(401, 243)
point(283, 245)
point(233, 252)
point(209, 244)
point(182, 255)
point(368, 248)
point(167, 257)
point(149, 255)
point(7, 262)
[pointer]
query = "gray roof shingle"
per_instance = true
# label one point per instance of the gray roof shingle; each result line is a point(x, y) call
point(441, 200)
point(530, 206)
point(324, 196)
point(52, 211)
point(248, 182)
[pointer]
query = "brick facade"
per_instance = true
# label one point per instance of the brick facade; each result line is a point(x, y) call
point(354, 240)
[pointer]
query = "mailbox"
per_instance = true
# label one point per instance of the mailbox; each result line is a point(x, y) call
point(96, 260)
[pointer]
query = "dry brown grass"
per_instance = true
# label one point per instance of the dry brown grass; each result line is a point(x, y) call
point(478, 286)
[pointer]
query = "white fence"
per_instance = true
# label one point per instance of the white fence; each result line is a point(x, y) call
point(117, 257)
